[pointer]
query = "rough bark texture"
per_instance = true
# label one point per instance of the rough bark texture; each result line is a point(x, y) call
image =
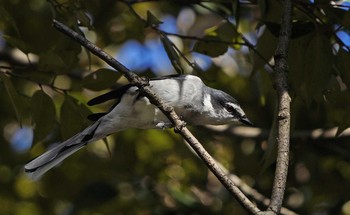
point(283, 134)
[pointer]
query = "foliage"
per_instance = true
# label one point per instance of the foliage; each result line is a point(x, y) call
point(47, 79)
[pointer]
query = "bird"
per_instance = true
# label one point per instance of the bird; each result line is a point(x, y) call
point(195, 102)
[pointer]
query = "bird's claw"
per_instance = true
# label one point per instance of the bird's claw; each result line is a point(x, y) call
point(141, 81)
point(144, 81)
point(179, 127)
point(164, 125)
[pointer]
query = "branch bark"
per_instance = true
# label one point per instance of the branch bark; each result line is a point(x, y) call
point(167, 110)
point(254, 194)
point(283, 133)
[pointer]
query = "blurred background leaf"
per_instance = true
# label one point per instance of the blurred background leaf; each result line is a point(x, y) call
point(43, 114)
point(73, 117)
point(101, 79)
point(212, 49)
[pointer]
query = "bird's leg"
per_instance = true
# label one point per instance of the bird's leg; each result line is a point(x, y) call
point(179, 127)
point(141, 81)
point(164, 125)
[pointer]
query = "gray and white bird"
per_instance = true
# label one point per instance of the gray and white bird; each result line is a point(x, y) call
point(193, 101)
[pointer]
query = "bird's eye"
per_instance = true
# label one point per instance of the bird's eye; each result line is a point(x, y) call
point(231, 109)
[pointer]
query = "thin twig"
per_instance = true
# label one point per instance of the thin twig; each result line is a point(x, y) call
point(167, 110)
point(283, 133)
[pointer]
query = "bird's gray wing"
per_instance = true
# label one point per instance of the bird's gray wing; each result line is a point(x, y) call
point(160, 85)
point(118, 93)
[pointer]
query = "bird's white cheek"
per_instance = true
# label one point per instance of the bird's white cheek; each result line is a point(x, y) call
point(208, 106)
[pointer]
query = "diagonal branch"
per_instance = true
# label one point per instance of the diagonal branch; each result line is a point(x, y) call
point(168, 111)
point(254, 194)
point(283, 133)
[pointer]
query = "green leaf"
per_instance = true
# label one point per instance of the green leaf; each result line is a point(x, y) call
point(70, 59)
point(339, 111)
point(172, 54)
point(183, 197)
point(274, 28)
point(61, 58)
point(265, 49)
point(226, 32)
point(271, 10)
point(73, 117)
point(152, 20)
point(43, 114)
point(7, 18)
point(302, 28)
point(13, 95)
point(101, 79)
point(343, 64)
point(17, 43)
point(39, 77)
point(264, 85)
point(345, 123)
point(84, 19)
point(51, 61)
point(296, 62)
point(332, 14)
point(298, 28)
point(346, 20)
point(210, 47)
point(317, 67)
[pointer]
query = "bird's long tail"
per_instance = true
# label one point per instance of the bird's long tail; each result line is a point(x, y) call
point(38, 166)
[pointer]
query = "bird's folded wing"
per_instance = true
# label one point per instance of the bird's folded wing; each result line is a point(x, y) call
point(114, 94)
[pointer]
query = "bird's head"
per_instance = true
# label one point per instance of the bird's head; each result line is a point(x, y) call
point(226, 108)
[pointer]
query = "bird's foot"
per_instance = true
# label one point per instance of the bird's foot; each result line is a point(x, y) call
point(179, 127)
point(164, 125)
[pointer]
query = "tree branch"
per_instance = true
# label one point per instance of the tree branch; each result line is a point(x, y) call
point(283, 133)
point(167, 110)
point(254, 194)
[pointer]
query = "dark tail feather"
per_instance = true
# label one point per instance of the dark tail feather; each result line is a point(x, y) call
point(38, 166)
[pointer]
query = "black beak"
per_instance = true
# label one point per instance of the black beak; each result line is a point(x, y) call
point(246, 121)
